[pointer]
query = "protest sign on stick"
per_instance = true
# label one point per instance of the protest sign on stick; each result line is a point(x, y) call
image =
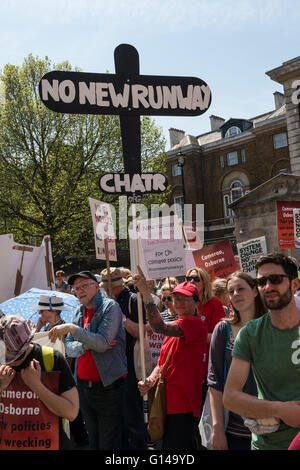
point(249, 251)
point(285, 223)
point(296, 213)
point(161, 247)
point(24, 267)
point(140, 317)
point(217, 259)
point(104, 232)
point(129, 95)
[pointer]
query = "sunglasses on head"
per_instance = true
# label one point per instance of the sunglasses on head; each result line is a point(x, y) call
point(193, 278)
point(273, 279)
point(167, 298)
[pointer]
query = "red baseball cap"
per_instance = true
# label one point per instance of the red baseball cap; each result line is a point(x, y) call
point(186, 288)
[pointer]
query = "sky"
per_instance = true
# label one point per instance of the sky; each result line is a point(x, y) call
point(230, 44)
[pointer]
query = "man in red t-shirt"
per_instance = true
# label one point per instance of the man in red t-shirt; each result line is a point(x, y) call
point(100, 368)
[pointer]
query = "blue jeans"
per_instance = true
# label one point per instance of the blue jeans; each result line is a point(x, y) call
point(101, 408)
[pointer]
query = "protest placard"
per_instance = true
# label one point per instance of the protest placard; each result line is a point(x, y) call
point(285, 223)
point(23, 267)
point(103, 225)
point(217, 259)
point(160, 247)
point(249, 251)
point(25, 422)
point(296, 213)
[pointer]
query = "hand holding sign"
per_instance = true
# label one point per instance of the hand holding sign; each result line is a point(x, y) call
point(31, 376)
point(141, 284)
point(6, 376)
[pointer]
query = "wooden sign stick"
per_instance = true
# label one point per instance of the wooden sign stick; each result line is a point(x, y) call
point(141, 320)
point(19, 276)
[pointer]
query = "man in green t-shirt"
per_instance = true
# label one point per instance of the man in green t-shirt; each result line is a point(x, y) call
point(271, 346)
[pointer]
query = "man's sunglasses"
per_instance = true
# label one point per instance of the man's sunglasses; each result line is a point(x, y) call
point(167, 298)
point(273, 279)
point(193, 278)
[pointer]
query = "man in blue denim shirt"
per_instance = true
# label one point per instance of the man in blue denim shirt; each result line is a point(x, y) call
point(100, 368)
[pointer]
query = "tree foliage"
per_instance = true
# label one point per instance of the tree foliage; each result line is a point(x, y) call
point(50, 163)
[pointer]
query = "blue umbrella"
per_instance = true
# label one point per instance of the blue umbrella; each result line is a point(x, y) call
point(22, 304)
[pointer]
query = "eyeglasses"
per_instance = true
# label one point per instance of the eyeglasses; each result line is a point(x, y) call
point(83, 286)
point(193, 278)
point(273, 279)
point(167, 298)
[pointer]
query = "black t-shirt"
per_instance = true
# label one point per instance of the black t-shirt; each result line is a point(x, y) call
point(66, 380)
point(129, 306)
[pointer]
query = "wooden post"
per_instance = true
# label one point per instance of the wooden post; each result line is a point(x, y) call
point(19, 276)
point(107, 266)
point(48, 264)
point(141, 321)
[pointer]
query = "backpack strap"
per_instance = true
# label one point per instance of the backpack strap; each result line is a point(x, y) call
point(48, 358)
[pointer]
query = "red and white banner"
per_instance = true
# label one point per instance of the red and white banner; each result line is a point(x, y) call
point(285, 223)
point(217, 259)
point(25, 422)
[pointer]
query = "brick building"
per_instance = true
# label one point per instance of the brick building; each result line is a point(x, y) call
point(226, 163)
point(236, 168)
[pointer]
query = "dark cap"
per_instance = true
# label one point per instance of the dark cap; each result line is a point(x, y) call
point(85, 274)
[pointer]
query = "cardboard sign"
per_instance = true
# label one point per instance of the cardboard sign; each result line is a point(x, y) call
point(297, 227)
point(103, 228)
point(104, 93)
point(23, 267)
point(249, 252)
point(129, 95)
point(155, 342)
point(285, 223)
point(25, 422)
point(160, 247)
point(124, 183)
point(217, 259)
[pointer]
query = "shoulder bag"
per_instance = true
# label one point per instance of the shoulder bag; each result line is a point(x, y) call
point(157, 405)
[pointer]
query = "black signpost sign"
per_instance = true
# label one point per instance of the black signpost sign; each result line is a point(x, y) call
point(129, 95)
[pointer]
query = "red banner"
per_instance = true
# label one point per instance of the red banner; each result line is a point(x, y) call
point(285, 223)
point(217, 259)
point(25, 422)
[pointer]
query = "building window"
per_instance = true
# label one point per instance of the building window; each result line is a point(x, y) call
point(232, 158)
point(232, 131)
point(235, 192)
point(280, 140)
point(176, 170)
point(222, 163)
point(227, 211)
point(243, 155)
point(179, 210)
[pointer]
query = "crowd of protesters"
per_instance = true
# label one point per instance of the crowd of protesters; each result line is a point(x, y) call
point(233, 341)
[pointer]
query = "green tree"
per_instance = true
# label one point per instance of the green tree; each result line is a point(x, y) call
point(50, 163)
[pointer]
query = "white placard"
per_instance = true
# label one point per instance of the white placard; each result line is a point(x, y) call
point(23, 267)
point(160, 247)
point(249, 251)
point(296, 213)
point(103, 225)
